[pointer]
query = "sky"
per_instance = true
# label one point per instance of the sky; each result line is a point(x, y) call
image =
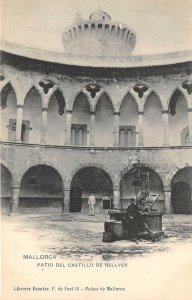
point(161, 25)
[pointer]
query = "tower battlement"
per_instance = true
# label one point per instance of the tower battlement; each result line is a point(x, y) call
point(99, 36)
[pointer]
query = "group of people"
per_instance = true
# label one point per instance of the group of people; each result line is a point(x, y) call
point(135, 217)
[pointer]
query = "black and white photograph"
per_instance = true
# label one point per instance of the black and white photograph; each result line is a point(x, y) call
point(96, 149)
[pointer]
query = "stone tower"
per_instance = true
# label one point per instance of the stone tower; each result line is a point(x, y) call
point(99, 36)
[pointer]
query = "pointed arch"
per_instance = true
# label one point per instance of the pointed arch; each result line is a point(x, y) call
point(178, 116)
point(6, 90)
point(32, 115)
point(104, 122)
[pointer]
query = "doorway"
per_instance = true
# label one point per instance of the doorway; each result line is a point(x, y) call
point(75, 199)
point(181, 198)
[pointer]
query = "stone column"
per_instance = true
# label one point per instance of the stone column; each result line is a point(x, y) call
point(19, 122)
point(190, 125)
point(44, 126)
point(168, 205)
point(92, 129)
point(116, 198)
point(14, 199)
point(68, 127)
point(165, 127)
point(116, 128)
point(66, 199)
point(140, 128)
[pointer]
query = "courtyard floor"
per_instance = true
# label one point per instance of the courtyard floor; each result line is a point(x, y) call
point(80, 236)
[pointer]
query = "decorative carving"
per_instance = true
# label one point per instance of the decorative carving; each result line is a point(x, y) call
point(187, 86)
point(140, 89)
point(93, 89)
point(46, 86)
point(2, 77)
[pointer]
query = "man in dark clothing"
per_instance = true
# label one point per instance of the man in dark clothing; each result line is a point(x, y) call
point(131, 220)
point(144, 211)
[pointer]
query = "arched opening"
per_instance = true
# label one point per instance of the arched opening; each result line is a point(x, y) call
point(56, 119)
point(104, 122)
point(80, 121)
point(41, 190)
point(128, 122)
point(148, 182)
point(8, 113)
point(178, 117)
point(6, 180)
point(32, 116)
point(185, 136)
point(90, 180)
point(181, 188)
point(152, 125)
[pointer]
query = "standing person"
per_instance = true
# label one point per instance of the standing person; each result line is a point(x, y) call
point(144, 211)
point(132, 219)
point(91, 204)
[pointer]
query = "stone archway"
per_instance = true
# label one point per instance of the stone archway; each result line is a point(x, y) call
point(181, 191)
point(131, 185)
point(41, 190)
point(6, 180)
point(90, 179)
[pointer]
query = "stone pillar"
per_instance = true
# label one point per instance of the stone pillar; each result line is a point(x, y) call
point(140, 128)
point(168, 205)
point(19, 122)
point(66, 199)
point(68, 127)
point(92, 129)
point(116, 128)
point(116, 198)
point(14, 200)
point(165, 127)
point(190, 125)
point(44, 126)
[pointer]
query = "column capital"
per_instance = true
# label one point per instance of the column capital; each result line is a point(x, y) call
point(20, 106)
point(69, 111)
point(140, 113)
point(167, 189)
point(116, 113)
point(164, 111)
point(92, 113)
point(15, 187)
point(45, 109)
point(189, 109)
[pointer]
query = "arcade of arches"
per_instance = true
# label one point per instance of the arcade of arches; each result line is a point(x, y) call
point(42, 190)
point(51, 123)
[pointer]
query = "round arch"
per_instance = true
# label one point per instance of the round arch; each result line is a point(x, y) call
point(181, 191)
point(90, 179)
point(6, 183)
point(149, 180)
point(41, 189)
